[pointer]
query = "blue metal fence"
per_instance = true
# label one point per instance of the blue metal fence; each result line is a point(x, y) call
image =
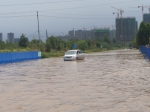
point(10, 57)
point(145, 50)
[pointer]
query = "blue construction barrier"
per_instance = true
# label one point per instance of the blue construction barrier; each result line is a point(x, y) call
point(10, 57)
point(145, 50)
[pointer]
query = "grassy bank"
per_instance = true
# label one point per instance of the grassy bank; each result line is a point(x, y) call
point(61, 53)
point(53, 54)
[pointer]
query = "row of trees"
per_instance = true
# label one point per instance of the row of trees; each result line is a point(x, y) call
point(53, 43)
point(143, 35)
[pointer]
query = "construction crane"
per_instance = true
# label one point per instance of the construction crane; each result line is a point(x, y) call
point(143, 9)
point(116, 13)
point(121, 12)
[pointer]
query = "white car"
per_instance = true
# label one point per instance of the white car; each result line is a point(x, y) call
point(71, 55)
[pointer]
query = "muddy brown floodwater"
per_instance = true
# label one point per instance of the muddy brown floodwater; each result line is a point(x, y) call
point(114, 81)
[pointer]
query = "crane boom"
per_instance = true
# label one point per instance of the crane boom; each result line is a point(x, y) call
point(120, 10)
point(117, 8)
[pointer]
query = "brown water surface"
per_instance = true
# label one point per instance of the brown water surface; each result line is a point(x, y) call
point(114, 81)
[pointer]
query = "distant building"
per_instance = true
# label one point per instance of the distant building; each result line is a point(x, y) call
point(112, 34)
point(10, 37)
point(71, 34)
point(16, 40)
point(126, 29)
point(100, 33)
point(146, 18)
point(1, 36)
point(78, 34)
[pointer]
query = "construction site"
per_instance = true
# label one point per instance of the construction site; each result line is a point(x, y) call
point(126, 29)
point(92, 34)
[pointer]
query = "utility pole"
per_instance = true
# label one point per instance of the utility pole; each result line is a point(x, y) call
point(38, 26)
point(121, 12)
point(46, 34)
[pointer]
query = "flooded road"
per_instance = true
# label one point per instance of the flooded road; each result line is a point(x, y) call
point(114, 81)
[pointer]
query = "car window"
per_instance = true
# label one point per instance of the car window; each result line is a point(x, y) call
point(80, 52)
point(70, 52)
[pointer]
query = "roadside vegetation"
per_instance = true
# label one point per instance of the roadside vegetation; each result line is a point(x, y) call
point(142, 36)
point(54, 47)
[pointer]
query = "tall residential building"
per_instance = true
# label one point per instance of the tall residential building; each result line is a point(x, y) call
point(79, 34)
point(10, 37)
point(126, 29)
point(100, 33)
point(71, 34)
point(1, 36)
point(146, 18)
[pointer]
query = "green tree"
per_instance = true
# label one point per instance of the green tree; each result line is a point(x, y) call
point(53, 43)
point(143, 34)
point(106, 39)
point(37, 45)
point(2, 45)
point(82, 44)
point(114, 40)
point(23, 42)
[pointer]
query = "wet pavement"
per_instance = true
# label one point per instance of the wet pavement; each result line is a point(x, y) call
point(113, 81)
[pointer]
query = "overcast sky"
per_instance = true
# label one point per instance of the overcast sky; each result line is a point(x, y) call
point(60, 16)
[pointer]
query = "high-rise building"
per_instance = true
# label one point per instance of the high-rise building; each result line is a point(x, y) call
point(1, 36)
point(146, 18)
point(79, 34)
point(100, 33)
point(126, 29)
point(71, 34)
point(10, 37)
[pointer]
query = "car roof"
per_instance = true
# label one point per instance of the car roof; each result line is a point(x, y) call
point(74, 50)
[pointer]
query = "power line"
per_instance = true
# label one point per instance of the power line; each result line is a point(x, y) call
point(52, 17)
point(90, 6)
point(32, 34)
point(66, 8)
point(73, 17)
point(15, 13)
point(16, 16)
point(40, 3)
point(59, 16)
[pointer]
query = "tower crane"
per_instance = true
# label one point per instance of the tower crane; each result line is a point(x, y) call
point(121, 12)
point(143, 8)
point(116, 13)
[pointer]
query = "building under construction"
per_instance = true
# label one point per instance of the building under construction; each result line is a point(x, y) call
point(100, 33)
point(92, 34)
point(126, 29)
point(146, 18)
point(71, 34)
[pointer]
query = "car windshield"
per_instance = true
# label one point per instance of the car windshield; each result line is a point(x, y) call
point(70, 52)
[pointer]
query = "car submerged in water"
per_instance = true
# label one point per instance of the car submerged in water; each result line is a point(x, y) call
point(72, 55)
